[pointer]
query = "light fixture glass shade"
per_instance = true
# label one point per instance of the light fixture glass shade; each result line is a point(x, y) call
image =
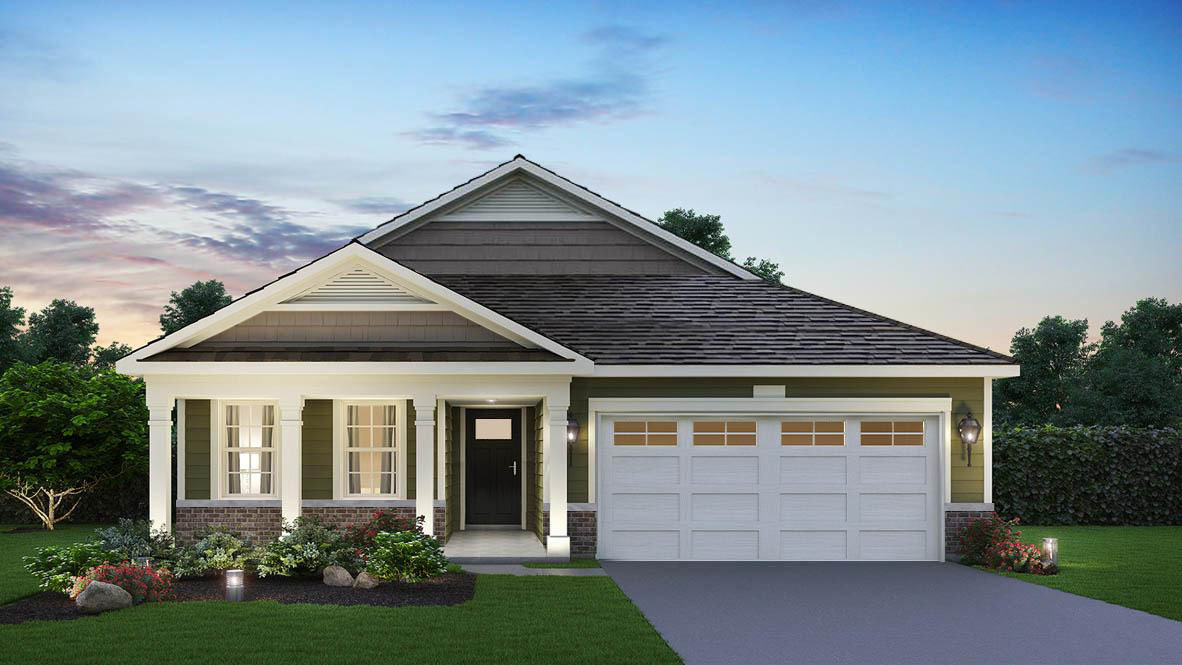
point(1050, 548)
point(968, 429)
point(572, 430)
point(234, 585)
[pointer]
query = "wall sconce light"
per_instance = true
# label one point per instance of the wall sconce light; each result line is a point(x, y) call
point(572, 435)
point(968, 429)
point(1050, 548)
point(235, 587)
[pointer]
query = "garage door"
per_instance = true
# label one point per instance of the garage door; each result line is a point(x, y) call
point(734, 487)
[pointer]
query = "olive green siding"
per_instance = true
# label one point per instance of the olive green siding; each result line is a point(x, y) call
point(196, 449)
point(452, 438)
point(316, 451)
point(535, 421)
point(410, 450)
point(967, 482)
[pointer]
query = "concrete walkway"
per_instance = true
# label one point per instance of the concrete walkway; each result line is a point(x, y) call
point(883, 613)
point(513, 569)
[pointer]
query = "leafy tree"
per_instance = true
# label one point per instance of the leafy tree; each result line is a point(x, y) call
point(63, 430)
point(11, 320)
point(706, 231)
point(63, 331)
point(195, 302)
point(1052, 356)
point(1152, 327)
point(105, 356)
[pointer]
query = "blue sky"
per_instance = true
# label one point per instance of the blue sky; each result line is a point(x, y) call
point(968, 168)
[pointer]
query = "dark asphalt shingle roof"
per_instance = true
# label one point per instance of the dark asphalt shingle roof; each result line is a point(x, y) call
point(621, 320)
point(345, 353)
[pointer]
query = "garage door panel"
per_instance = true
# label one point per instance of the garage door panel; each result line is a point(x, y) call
point(719, 470)
point(646, 471)
point(646, 545)
point(812, 545)
point(813, 470)
point(722, 507)
point(813, 507)
point(646, 507)
point(893, 545)
point(895, 469)
point(724, 545)
point(876, 507)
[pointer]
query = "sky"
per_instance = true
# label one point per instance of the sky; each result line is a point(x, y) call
point(965, 167)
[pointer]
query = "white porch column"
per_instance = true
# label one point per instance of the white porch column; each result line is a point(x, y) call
point(425, 461)
point(291, 471)
point(555, 454)
point(160, 465)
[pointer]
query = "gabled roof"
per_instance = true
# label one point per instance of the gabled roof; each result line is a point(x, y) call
point(520, 165)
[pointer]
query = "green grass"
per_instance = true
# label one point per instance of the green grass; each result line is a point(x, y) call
point(15, 581)
point(528, 619)
point(573, 563)
point(1134, 566)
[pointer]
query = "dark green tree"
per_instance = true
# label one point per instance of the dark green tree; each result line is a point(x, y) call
point(63, 331)
point(11, 320)
point(104, 357)
point(63, 430)
point(195, 302)
point(706, 231)
point(1052, 356)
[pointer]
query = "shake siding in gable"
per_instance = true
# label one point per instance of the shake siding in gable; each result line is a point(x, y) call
point(968, 483)
point(197, 437)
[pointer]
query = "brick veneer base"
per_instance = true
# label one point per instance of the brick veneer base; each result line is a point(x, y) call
point(581, 527)
point(954, 522)
point(259, 525)
point(341, 516)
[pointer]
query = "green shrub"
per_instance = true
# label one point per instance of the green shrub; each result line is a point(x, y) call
point(409, 556)
point(996, 543)
point(305, 549)
point(56, 566)
point(1089, 475)
point(361, 536)
point(217, 551)
point(135, 538)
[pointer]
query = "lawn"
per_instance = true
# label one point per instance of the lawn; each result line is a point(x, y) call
point(1134, 566)
point(533, 619)
point(15, 581)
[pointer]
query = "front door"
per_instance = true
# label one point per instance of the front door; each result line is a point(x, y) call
point(494, 471)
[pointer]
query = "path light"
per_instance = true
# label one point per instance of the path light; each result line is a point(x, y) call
point(1050, 548)
point(969, 429)
point(234, 585)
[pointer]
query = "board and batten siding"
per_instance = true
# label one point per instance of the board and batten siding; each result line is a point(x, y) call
point(316, 451)
point(968, 483)
point(197, 447)
point(533, 457)
point(535, 248)
point(452, 439)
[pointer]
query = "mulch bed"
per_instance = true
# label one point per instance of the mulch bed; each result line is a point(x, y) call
point(450, 589)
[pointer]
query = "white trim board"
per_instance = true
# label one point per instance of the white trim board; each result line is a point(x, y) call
point(788, 371)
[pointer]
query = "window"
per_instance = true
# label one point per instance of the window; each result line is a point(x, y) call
point(892, 432)
point(248, 448)
point(812, 433)
point(645, 433)
point(496, 429)
point(724, 433)
point(371, 449)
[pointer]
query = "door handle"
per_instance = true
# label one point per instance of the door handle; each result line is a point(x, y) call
point(514, 467)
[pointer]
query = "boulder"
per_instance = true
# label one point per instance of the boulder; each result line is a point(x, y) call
point(364, 581)
point(337, 576)
point(100, 597)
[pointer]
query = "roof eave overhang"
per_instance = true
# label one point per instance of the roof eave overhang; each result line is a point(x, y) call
point(786, 371)
point(229, 368)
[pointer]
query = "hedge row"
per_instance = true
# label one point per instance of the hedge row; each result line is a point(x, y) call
point(1088, 475)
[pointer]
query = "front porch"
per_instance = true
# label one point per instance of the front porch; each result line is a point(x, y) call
point(458, 452)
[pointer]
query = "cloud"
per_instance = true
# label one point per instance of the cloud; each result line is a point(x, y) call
point(221, 203)
point(615, 86)
point(66, 199)
point(269, 243)
point(375, 205)
point(1132, 157)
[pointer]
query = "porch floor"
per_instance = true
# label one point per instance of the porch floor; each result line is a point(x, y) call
point(494, 546)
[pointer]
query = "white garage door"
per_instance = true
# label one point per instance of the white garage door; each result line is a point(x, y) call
point(789, 487)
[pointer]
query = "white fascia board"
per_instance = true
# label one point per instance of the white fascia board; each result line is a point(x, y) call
point(520, 164)
point(786, 371)
point(271, 295)
point(749, 405)
point(232, 369)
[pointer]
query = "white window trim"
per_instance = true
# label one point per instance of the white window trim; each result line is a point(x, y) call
point(217, 464)
point(340, 480)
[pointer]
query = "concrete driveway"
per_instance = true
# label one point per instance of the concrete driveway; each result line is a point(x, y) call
point(880, 613)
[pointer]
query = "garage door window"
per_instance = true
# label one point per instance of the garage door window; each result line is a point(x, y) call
point(812, 433)
point(724, 432)
point(892, 432)
point(645, 433)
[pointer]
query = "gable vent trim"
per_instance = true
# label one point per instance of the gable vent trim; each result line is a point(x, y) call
point(518, 200)
point(358, 286)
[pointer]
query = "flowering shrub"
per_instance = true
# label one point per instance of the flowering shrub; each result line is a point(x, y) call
point(219, 550)
point(144, 583)
point(361, 536)
point(410, 556)
point(306, 548)
point(133, 538)
point(56, 566)
point(996, 543)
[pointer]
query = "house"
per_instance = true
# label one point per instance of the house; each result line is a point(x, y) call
point(523, 353)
